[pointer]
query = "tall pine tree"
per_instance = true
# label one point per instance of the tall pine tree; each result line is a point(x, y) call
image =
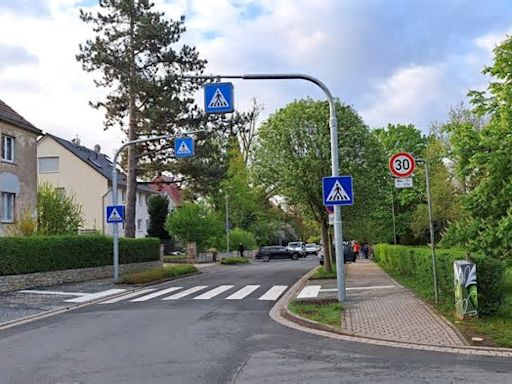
point(136, 49)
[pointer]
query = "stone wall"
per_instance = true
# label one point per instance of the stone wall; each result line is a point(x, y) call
point(43, 279)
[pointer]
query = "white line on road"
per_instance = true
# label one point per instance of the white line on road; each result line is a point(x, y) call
point(186, 292)
point(214, 292)
point(309, 291)
point(128, 296)
point(243, 293)
point(156, 294)
point(97, 295)
point(63, 293)
point(274, 292)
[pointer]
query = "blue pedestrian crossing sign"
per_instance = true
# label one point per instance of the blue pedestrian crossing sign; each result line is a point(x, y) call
point(115, 213)
point(184, 147)
point(218, 98)
point(337, 190)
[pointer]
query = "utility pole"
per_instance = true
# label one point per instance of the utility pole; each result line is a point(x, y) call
point(431, 224)
point(227, 223)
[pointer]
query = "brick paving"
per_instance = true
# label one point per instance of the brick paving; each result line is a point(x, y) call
point(393, 313)
point(379, 308)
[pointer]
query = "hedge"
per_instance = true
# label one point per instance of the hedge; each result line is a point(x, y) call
point(416, 263)
point(19, 255)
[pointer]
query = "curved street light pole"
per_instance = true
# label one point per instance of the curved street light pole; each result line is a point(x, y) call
point(115, 230)
point(333, 125)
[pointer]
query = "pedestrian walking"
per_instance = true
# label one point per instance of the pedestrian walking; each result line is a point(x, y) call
point(357, 248)
point(241, 249)
point(365, 249)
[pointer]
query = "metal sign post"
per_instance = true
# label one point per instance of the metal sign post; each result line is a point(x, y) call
point(115, 230)
point(333, 129)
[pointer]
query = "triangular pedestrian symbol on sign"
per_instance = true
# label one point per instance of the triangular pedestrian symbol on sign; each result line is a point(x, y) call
point(218, 100)
point(184, 149)
point(337, 193)
point(115, 216)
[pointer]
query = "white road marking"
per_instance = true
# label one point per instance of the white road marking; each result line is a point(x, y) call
point(360, 288)
point(156, 294)
point(63, 293)
point(97, 295)
point(309, 291)
point(274, 292)
point(128, 296)
point(214, 292)
point(186, 292)
point(243, 293)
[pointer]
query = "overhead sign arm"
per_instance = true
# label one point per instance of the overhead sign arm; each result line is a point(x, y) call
point(338, 238)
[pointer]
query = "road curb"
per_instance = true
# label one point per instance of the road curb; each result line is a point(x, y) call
point(282, 315)
point(58, 311)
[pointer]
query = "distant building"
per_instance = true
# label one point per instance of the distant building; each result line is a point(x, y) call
point(164, 186)
point(18, 172)
point(87, 175)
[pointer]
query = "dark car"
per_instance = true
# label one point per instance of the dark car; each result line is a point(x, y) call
point(348, 254)
point(276, 252)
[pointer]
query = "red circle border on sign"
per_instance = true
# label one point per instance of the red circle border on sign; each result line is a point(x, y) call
point(411, 159)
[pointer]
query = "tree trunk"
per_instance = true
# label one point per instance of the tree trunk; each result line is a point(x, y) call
point(327, 247)
point(131, 188)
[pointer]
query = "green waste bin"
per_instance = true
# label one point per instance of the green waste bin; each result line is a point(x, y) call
point(466, 298)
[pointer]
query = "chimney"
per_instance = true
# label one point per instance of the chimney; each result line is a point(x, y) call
point(97, 148)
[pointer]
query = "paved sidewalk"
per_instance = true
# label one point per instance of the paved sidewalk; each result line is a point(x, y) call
point(378, 307)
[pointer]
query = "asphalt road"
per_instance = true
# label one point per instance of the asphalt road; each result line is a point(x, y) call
point(215, 340)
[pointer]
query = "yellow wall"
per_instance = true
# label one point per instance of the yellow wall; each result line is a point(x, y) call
point(78, 178)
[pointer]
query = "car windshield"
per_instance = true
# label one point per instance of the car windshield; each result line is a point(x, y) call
point(294, 244)
point(310, 245)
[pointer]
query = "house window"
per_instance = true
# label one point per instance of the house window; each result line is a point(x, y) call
point(8, 148)
point(61, 191)
point(48, 164)
point(139, 195)
point(139, 224)
point(8, 200)
point(123, 196)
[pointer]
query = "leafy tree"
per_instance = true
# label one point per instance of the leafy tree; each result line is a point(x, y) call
point(293, 153)
point(238, 236)
point(134, 48)
point(57, 213)
point(158, 209)
point(193, 222)
point(486, 159)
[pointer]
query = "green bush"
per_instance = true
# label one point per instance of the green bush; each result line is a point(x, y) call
point(156, 274)
point(20, 255)
point(416, 263)
point(234, 260)
point(238, 236)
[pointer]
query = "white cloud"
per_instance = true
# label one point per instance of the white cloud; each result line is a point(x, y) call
point(404, 96)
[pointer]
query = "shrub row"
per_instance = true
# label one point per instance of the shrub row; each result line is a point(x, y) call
point(416, 263)
point(20, 255)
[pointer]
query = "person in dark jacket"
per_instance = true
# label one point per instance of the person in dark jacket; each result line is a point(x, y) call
point(241, 249)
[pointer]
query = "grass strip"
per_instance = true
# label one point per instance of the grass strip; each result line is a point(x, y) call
point(234, 260)
point(157, 274)
point(323, 311)
point(175, 259)
point(322, 274)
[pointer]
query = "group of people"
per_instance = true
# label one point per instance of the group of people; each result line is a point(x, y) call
point(353, 249)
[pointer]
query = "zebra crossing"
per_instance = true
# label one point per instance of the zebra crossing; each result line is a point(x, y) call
point(201, 292)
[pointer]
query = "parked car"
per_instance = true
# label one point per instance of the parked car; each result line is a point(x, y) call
point(348, 254)
point(297, 246)
point(312, 249)
point(276, 252)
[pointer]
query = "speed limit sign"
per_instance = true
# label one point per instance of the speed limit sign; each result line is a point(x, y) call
point(402, 164)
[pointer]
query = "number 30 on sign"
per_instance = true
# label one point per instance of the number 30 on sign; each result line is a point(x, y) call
point(402, 164)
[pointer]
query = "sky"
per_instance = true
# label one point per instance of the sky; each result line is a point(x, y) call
point(393, 61)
